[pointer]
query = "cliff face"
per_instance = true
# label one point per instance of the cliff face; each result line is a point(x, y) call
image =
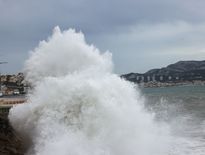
point(178, 72)
point(10, 143)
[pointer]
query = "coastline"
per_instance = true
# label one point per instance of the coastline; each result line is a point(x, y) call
point(156, 84)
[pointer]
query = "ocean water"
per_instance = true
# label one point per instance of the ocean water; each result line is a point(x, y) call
point(183, 109)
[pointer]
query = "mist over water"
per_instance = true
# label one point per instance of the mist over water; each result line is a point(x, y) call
point(78, 106)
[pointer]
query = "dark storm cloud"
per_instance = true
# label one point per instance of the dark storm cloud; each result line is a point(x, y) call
point(95, 15)
point(23, 23)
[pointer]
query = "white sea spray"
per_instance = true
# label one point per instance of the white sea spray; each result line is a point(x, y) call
point(78, 106)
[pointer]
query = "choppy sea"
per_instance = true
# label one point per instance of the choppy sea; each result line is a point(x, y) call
point(183, 109)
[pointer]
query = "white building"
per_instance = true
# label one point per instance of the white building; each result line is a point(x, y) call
point(148, 78)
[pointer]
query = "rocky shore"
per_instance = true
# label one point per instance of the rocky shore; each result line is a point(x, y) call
point(10, 142)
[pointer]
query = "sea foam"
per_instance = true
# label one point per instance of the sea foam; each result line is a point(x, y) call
point(78, 106)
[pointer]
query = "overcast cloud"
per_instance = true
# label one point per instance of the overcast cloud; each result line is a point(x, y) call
point(141, 34)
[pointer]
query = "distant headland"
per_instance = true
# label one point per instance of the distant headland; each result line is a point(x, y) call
point(180, 73)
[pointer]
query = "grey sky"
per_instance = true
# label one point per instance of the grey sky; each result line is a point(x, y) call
point(141, 34)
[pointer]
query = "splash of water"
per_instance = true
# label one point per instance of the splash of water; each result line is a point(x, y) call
point(78, 106)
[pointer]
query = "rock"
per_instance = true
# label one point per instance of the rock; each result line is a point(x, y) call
point(10, 142)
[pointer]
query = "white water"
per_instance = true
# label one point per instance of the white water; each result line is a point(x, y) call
point(78, 106)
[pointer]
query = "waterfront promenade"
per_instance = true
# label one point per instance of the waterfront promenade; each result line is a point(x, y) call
point(8, 101)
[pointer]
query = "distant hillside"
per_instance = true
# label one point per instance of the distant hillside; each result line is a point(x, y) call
point(178, 72)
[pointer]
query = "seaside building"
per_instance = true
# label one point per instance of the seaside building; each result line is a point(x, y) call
point(142, 78)
point(153, 78)
point(137, 78)
point(161, 78)
point(148, 78)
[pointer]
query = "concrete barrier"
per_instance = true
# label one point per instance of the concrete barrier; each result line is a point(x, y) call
point(7, 103)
